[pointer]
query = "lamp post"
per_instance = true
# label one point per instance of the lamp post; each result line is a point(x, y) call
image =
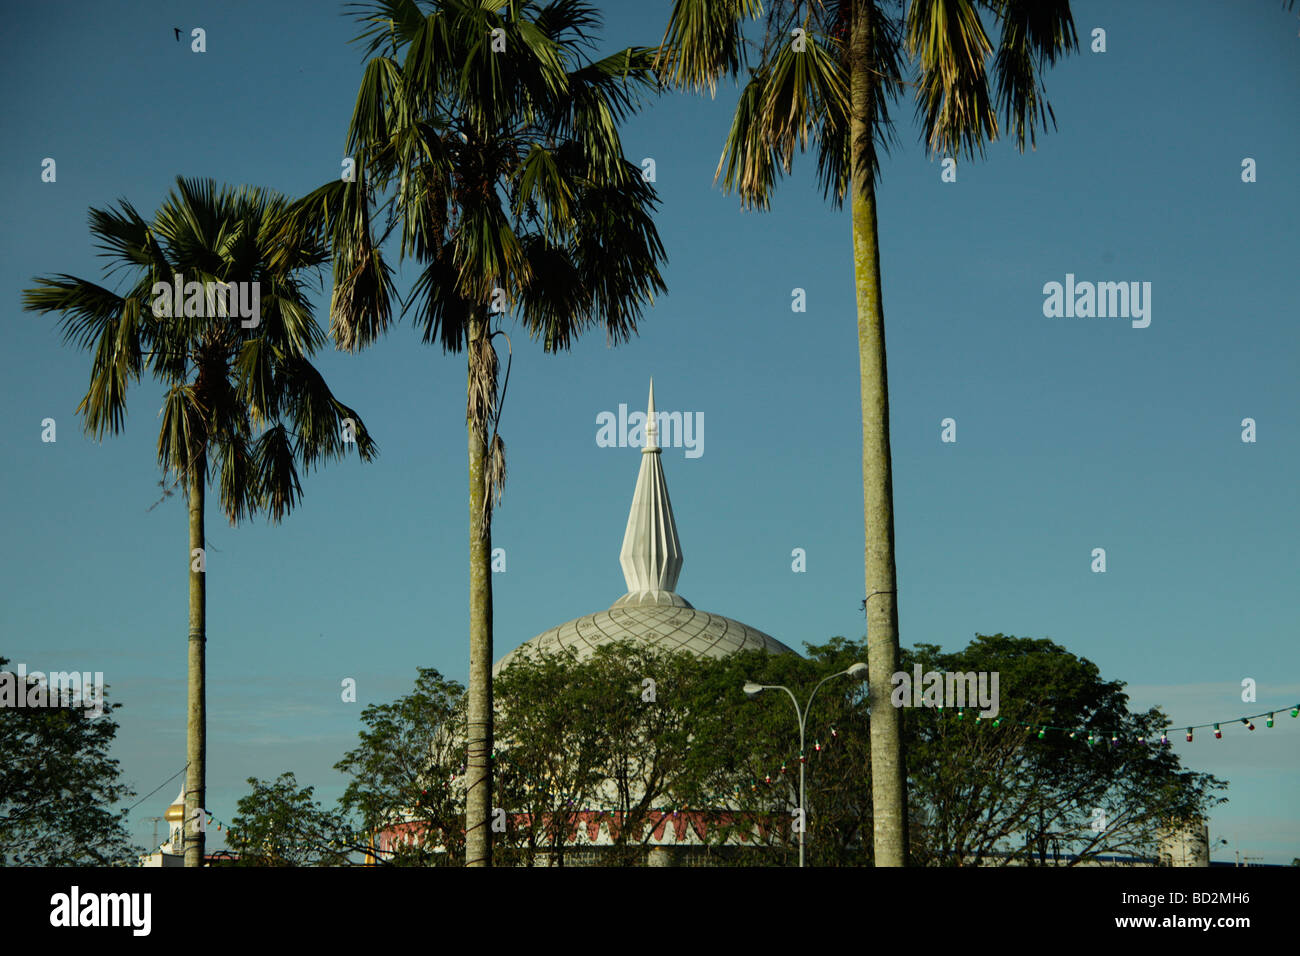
point(751, 689)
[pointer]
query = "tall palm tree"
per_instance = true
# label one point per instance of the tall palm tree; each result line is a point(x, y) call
point(828, 71)
point(488, 139)
point(243, 404)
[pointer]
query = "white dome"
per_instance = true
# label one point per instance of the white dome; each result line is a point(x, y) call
point(664, 627)
point(651, 612)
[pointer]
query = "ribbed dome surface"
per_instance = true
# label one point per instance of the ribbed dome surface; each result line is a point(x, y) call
point(664, 627)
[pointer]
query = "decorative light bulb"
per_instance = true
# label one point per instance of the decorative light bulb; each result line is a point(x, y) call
point(1250, 725)
point(1189, 735)
point(1042, 733)
point(1269, 721)
point(1164, 739)
point(1218, 734)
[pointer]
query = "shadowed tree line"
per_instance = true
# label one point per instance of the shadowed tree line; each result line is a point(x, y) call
point(577, 738)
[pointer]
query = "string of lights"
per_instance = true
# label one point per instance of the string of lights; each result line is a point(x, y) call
point(1075, 733)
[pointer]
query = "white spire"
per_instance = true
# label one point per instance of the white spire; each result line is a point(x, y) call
point(651, 555)
point(651, 423)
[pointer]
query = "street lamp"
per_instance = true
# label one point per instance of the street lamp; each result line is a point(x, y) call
point(857, 672)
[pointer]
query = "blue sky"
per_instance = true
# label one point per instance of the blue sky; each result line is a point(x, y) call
point(1072, 434)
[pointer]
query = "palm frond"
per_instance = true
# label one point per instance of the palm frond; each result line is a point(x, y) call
point(558, 303)
point(116, 361)
point(379, 101)
point(486, 250)
point(443, 313)
point(617, 251)
point(541, 181)
point(254, 369)
point(703, 42)
point(359, 305)
point(316, 416)
point(799, 87)
point(124, 237)
point(569, 23)
point(948, 41)
point(389, 24)
point(87, 307)
point(236, 478)
point(278, 489)
point(182, 437)
point(749, 163)
point(1034, 34)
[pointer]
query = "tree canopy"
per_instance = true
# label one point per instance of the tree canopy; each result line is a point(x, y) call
point(57, 783)
point(630, 735)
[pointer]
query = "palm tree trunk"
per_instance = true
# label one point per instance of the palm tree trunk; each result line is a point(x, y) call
point(478, 803)
point(196, 737)
point(888, 773)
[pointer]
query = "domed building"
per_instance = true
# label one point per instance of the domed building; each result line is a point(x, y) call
point(171, 853)
point(654, 614)
point(651, 612)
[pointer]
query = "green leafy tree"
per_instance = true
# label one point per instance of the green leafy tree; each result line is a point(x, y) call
point(280, 824)
point(827, 73)
point(578, 736)
point(408, 774)
point(640, 700)
point(486, 137)
point(609, 734)
point(839, 760)
point(57, 783)
point(983, 794)
point(991, 793)
point(745, 758)
point(549, 754)
point(243, 406)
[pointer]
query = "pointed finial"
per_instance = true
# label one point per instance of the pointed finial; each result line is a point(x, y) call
point(651, 423)
point(652, 555)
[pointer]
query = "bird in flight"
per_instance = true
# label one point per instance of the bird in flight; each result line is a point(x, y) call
point(178, 34)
